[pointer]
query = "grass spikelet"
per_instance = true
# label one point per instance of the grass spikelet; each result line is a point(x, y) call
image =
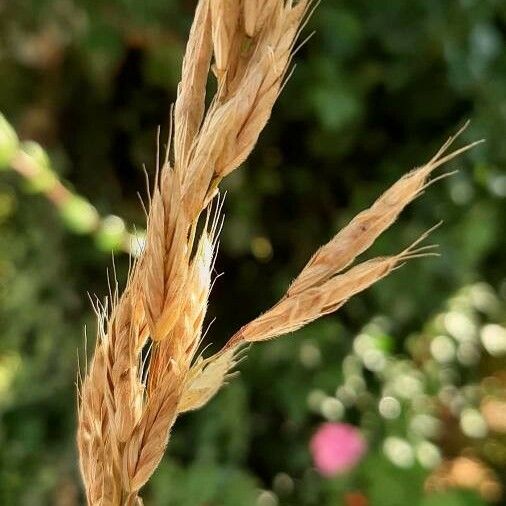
point(366, 227)
point(93, 437)
point(205, 378)
point(294, 311)
point(146, 445)
point(191, 93)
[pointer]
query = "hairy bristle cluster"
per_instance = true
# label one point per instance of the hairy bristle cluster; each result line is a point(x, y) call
point(146, 368)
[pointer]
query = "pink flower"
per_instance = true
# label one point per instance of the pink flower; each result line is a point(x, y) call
point(337, 448)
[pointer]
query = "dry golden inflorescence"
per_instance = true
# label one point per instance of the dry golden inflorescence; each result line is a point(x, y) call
point(146, 368)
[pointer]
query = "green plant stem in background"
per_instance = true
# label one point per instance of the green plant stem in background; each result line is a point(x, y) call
point(31, 161)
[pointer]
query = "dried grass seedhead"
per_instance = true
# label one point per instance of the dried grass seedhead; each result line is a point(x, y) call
point(147, 368)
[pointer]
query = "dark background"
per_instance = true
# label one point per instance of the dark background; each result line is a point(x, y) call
point(376, 91)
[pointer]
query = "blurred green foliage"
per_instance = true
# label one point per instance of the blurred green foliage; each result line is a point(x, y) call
point(376, 91)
